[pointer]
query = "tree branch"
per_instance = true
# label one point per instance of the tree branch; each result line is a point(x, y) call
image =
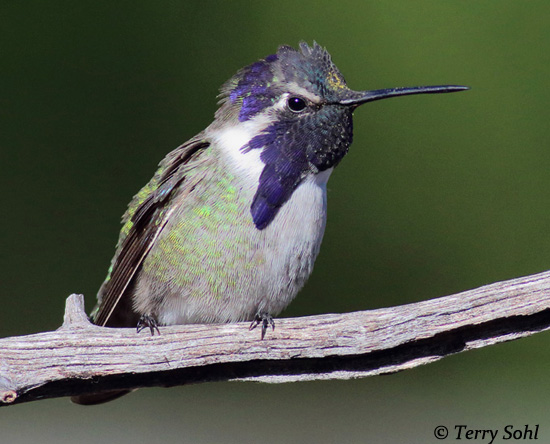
point(82, 358)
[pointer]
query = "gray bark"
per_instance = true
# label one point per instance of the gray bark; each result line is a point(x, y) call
point(82, 358)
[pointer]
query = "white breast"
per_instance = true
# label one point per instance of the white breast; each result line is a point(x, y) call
point(290, 244)
point(295, 237)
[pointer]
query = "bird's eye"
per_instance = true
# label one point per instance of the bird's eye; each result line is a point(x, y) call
point(296, 104)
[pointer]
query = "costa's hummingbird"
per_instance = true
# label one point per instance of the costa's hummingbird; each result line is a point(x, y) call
point(229, 226)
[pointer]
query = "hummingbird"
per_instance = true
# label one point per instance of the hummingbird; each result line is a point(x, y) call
point(229, 227)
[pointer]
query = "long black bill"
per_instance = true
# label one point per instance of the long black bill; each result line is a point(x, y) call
point(359, 97)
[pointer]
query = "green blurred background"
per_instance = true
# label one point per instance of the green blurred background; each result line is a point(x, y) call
point(438, 194)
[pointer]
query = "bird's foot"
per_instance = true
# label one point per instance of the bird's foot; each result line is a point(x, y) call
point(265, 319)
point(148, 321)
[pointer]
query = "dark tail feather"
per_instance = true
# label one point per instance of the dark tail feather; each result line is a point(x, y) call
point(99, 398)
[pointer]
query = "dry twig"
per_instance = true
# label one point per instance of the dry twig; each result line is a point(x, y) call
point(83, 358)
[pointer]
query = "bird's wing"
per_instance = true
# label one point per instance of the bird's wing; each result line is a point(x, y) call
point(146, 217)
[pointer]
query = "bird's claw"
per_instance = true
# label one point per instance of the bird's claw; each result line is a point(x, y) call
point(265, 319)
point(150, 322)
